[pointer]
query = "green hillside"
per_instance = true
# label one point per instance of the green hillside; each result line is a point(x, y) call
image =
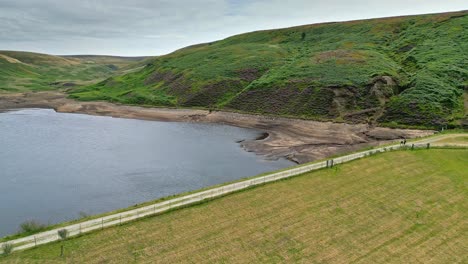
point(395, 71)
point(25, 71)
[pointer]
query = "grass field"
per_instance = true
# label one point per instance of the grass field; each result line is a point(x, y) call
point(405, 206)
point(461, 139)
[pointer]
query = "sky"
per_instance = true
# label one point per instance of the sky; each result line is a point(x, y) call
point(156, 27)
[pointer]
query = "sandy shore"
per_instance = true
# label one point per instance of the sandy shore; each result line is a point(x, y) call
point(298, 140)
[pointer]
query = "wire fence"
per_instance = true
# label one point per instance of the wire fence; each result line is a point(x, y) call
point(160, 207)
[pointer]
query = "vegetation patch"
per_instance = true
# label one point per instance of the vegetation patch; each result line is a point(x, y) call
point(26, 71)
point(31, 226)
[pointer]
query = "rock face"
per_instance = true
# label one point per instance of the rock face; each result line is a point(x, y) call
point(299, 140)
point(383, 88)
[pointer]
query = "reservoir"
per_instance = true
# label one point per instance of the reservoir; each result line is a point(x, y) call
point(56, 167)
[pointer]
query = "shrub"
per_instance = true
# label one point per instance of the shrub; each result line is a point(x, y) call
point(63, 234)
point(7, 248)
point(83, 214)
point(31, 226)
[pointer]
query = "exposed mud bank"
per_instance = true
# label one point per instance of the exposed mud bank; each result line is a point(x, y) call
point(298, 140)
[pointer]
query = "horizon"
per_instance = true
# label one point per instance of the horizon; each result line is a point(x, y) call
point(148, 56)
point(93, 35)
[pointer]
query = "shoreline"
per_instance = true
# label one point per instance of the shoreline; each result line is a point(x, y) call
point(298, 140)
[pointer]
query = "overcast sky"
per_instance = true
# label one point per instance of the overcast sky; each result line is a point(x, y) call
point(154, 27)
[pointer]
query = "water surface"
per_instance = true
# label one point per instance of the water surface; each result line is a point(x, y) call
point(55, 165)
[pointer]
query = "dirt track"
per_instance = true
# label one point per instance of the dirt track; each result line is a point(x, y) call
point(298, 140)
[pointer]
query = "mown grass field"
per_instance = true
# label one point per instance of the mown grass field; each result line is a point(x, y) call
point(456, 139)
point(397, 207)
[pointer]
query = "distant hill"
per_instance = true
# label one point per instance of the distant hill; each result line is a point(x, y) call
point(395, 71)
point(120, 62)
point(24, 71)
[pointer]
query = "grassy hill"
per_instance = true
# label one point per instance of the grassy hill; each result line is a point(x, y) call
point(402, 206)
point(397, 71)
point(25, 71)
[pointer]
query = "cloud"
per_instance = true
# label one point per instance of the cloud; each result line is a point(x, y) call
point(152, 27)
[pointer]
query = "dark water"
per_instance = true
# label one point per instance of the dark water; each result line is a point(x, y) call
point(54, 166)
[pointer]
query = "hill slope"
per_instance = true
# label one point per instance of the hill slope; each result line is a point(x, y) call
point(409, 206)
point(24, 71)
point(402, 70)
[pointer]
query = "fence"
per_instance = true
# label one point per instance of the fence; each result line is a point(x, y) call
point(120, 218)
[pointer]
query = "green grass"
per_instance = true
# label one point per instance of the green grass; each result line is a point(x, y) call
point(26, 71)
point(461, 140)
point(332, 72)
point(402, 206)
